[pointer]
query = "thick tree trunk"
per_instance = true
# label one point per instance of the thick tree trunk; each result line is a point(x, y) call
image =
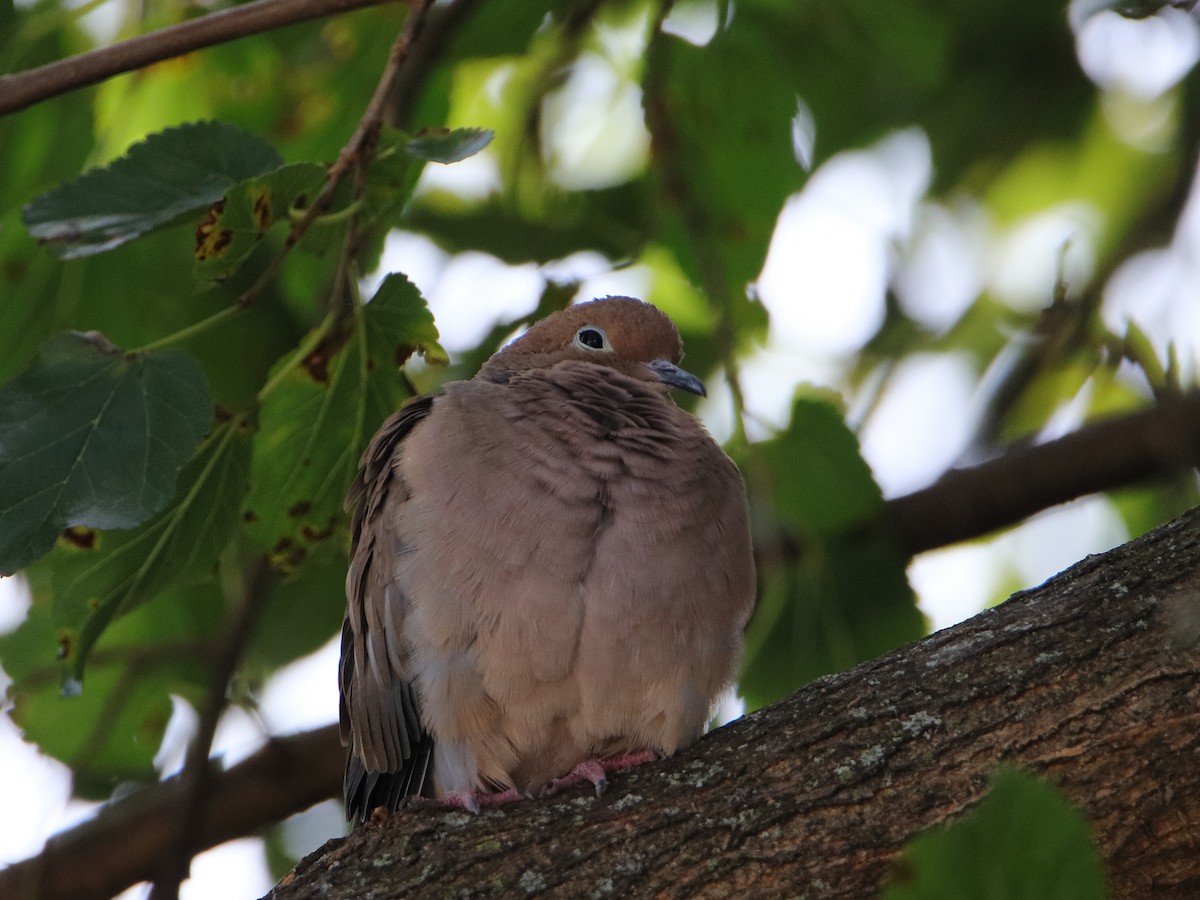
point(1092, 680)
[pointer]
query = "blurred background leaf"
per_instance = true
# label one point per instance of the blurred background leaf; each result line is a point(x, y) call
point(1022, 818)
point(843, 596)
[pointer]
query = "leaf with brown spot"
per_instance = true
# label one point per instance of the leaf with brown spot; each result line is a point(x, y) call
point(83, 538)
point(261, 207)
point(166, 178)
point(211, 240)
point(91, 588)
point(403, 324)
point(317, 362)
point(93, 436)
point(314, 425)
point(237, 223)
point(315, 535)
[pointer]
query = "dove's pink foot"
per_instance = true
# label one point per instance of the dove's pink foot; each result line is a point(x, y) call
point(595, 771)
point(471, 801)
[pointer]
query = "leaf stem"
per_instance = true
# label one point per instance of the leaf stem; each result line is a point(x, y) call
point(331, 218)
point(192, 330)
point(310, 343)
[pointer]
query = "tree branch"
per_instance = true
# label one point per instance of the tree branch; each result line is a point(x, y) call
point(34, 85)
point(128, 839)
point(1092, 681)
point(357, 151)
point(444, 21)
point(1158, 442)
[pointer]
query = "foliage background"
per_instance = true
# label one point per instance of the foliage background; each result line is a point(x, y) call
point(960, 226)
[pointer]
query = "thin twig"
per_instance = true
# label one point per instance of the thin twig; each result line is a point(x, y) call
point(443, 21)
point(667, 151)
point(307, 345)
point(197, 775)
point(24, 89)
point(396, 92)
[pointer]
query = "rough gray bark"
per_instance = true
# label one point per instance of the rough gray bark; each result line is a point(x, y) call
point(1092, 680)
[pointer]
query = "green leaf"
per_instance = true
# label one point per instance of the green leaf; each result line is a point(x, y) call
point(102, 575)
point(235, 224)
point(311, 429)
point(846, 598)
point(91, 436)
point(397, 165)
point(821, 482)
point(444, 145)
point(169, 175)
point(1025, 839)
point(303, 609)
point(314, 425)
point(399, 323)
point(723, 115)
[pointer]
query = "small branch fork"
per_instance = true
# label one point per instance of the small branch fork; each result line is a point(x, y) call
point(358, 151)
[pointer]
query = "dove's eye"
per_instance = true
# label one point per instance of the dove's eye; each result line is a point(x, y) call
point(589, 337)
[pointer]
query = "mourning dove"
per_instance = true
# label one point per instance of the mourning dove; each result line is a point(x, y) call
point(551, 569)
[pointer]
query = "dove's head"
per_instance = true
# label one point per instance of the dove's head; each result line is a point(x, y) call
point(628, 335)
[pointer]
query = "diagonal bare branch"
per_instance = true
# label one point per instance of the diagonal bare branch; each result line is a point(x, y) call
point(23, 89)
point(126, 842)
point(1159, 442)
point(198, 774)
